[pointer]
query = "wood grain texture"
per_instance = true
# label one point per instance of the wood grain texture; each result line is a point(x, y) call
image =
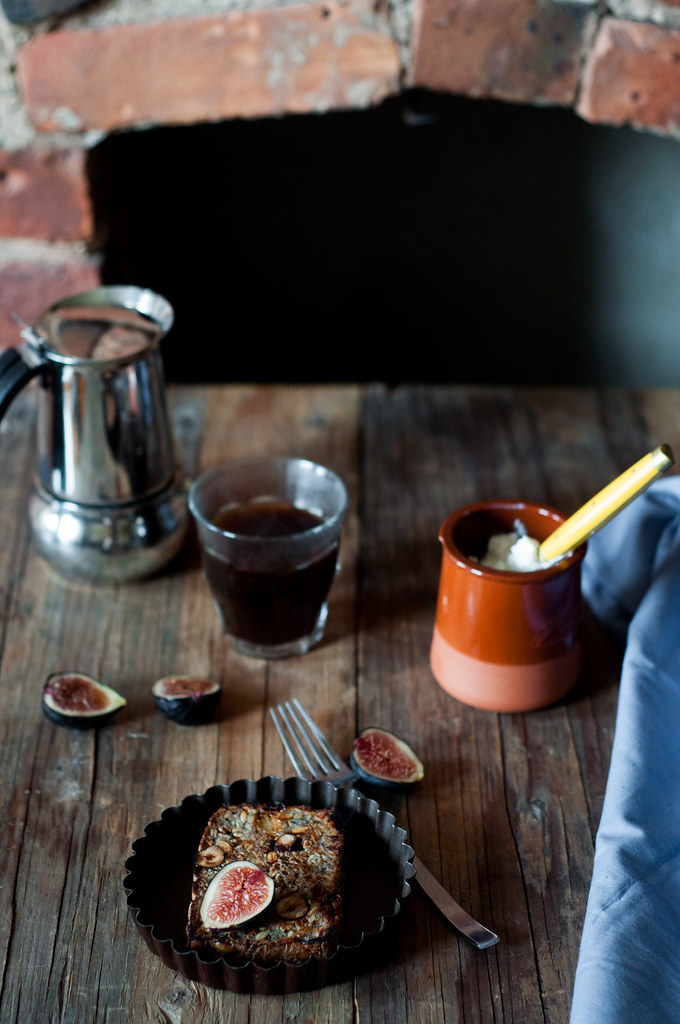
point(507, 813)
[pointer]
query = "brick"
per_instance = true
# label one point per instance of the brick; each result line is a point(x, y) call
point(44, 194)
point(524, 51)
point(308, 58)
point(632, 77)
point(28, 287)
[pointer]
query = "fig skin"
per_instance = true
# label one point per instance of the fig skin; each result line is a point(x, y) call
point(79, 701)
point(237, 893)
point(380, 757)
point(187, 700)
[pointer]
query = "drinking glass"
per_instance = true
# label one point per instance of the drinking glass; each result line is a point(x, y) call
point(269, 530)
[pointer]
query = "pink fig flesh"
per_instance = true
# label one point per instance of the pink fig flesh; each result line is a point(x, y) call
point(381, 756)
point(238, 892)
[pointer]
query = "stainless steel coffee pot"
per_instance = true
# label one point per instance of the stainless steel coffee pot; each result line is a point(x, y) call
point(109, 504)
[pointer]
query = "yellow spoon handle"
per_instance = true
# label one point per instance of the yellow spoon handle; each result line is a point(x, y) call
point(606, 503)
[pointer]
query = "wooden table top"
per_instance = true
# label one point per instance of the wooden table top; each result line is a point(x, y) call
point(507, 813)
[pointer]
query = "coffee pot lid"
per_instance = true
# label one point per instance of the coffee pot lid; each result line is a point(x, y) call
point(108, 324)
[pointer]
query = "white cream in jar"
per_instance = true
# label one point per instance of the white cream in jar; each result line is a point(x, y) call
point(514, 552)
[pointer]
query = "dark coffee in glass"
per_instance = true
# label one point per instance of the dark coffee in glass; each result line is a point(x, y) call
point(275, 607)
point(270, 533)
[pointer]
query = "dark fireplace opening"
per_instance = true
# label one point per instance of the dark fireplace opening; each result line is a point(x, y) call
point(429, 239)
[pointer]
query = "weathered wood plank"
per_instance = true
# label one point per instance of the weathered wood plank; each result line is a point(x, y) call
point(507, 813)
point(77, 800)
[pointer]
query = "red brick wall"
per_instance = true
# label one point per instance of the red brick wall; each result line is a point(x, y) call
point(45, 225)
point(75, 79)
point(307, 58)
point(312, 57)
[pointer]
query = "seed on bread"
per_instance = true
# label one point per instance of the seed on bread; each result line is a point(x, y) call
point(292, 907)
point(210, 857)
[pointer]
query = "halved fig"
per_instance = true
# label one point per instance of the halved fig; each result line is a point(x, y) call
point(187, 700)
point(79, 701)
point(381, 757)
point(238, 892)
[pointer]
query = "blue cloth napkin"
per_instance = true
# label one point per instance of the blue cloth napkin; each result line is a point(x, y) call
point(629, 962)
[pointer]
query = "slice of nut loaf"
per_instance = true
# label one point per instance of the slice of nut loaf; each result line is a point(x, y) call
point(301, 849)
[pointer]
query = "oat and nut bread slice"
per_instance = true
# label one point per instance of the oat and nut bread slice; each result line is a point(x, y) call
point(301, 849)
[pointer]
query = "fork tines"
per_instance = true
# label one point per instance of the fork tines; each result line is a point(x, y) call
point(304, 743)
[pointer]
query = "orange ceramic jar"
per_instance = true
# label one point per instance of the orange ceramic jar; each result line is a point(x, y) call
point(505, 641)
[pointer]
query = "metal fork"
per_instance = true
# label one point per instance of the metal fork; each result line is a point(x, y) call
point(312, 757)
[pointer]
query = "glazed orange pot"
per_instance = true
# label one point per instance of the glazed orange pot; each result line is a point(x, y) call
point(505, 641)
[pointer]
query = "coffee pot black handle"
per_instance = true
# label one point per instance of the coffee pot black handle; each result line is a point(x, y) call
point(14, 374)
